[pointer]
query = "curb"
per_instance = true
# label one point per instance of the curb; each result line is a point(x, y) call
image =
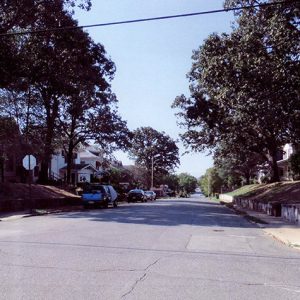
point(262, 224)
point(38, 212)
point(244, 214)
point(42, 212)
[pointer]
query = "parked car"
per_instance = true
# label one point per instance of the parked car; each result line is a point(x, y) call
point(150, 195)
point(100, 195)
point(136, 195)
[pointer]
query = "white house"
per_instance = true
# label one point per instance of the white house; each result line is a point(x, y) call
point(86, 165)
point(283, 162)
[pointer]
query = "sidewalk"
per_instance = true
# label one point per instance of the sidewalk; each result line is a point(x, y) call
point(14, 215)
point(38, 212)
point(276, 227)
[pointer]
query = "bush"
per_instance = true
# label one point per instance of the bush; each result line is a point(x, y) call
point(294, 164)
point(265, 179)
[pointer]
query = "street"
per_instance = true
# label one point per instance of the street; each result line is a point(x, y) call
point(185, 248)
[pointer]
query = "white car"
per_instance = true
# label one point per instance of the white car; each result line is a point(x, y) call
point(150, 195)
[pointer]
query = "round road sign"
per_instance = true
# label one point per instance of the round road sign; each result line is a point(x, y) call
point(29, 162)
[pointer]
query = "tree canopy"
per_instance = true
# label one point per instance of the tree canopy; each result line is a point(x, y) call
point(150, 146)
point(187, 182)
point(57, 86)
point(245, 85)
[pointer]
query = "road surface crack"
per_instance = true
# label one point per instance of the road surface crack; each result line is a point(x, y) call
point(140, 279)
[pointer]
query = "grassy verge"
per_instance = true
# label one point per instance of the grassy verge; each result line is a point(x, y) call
point(245, 190)
point(279, 192)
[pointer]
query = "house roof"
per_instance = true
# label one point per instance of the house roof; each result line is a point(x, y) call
point(94, 149)
point(78, 167)
point(283, 162)
point(87, 154)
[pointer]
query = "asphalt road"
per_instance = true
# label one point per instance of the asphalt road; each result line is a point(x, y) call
point(169, 249)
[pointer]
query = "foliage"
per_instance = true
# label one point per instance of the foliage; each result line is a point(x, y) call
point(244, 85)
point(171, 180)
point(59, 90)
point(20, 15)
point(139, 177)
point(211, 182)
point(187, 182)
point(234, 167)
point(152, 148)
point(294, 164)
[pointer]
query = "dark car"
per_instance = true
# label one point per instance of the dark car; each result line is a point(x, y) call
point(136, 195)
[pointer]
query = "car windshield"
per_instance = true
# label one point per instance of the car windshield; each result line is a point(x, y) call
point(135, 191)
point(93, 189)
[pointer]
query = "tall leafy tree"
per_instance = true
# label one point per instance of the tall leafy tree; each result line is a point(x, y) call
point(151, 148)
point(187, 182)
point(65, 79)
point(241, 164)
point(211, 182)
point(244, 85)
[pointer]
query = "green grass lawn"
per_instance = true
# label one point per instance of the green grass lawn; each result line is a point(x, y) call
point(279, 191)
point(246, 189)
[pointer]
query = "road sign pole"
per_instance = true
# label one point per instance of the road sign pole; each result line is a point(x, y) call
point(30, 191)
point(29, 162)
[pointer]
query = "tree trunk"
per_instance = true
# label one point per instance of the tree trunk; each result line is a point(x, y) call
point(69, 161)
point(51, 116)
point(275, 171)
point(43, 176)
point(247, 177)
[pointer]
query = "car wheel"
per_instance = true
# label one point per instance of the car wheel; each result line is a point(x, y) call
point(85, 206)
point(105, 205)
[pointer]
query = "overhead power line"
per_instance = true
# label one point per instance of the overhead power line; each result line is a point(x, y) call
point(146, 19)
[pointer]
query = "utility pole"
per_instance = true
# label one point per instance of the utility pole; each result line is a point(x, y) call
point(152, 171)
point(208, 184)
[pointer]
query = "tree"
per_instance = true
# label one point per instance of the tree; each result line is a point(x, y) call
point(294, 164)
point(89, 112)
point(19, 15)
point(238, 165)
point(151, 148)
point(9, 143)
point(211, 182)
point(244, 85)
point(171, 180)
point(65, 82)
point(187, 182)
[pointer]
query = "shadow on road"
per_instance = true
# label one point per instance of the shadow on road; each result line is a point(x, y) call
point(170, 212)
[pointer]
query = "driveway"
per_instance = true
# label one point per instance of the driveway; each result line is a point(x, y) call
point(168, 249)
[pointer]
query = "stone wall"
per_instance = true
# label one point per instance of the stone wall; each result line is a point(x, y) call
point(291, 212)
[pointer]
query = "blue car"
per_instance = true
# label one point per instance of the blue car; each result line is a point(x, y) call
point(99, 195)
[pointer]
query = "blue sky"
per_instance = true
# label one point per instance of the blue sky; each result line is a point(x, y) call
point(152, 60)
